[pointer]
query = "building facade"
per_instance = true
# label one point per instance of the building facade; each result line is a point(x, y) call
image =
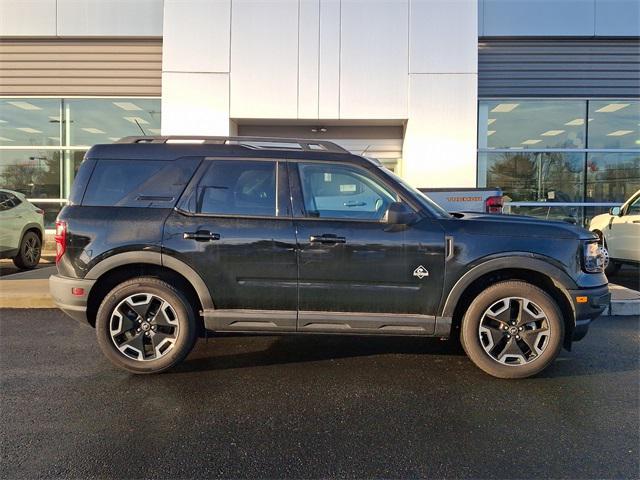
point(539, 97)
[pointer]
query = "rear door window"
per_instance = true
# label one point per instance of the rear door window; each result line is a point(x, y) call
point(139, 183)
point(237, 187)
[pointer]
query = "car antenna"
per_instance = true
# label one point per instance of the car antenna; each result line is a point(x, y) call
point(140, 127)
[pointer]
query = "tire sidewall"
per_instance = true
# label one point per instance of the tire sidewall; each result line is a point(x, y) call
point(186, 325)
point(471, 322)
point(20, 260)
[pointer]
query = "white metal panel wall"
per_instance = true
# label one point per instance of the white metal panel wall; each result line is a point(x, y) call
point(374, 59)
point(308, 58)
point(109, 18)
point(264, 59)
point(329, 60)
point(197, 36)
point(27, 17)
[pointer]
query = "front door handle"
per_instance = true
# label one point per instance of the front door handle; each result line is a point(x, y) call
point(327, 238)
point(201, 236)
point(636, 221)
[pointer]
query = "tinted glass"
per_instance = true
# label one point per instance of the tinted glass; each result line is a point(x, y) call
point(531, 124)
point(5, 203)
point(340, 191)
point(233, 187)
point(138, 183)
point(634, 208)
point(614, 124)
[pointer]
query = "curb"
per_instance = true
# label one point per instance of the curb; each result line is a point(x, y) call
point(624, 308)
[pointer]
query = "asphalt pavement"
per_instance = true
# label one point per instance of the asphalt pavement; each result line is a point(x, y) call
point(312, 407)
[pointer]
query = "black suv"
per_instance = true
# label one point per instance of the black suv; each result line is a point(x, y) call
point(168, 238)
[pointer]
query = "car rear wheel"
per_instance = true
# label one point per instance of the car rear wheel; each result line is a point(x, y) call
point(145, 325)
point(512, 330)
point(29, 253)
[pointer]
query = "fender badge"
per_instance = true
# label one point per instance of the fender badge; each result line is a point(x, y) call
point(421, 272)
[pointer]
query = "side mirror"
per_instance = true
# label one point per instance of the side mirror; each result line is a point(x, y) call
point(615, 211)
point(400, 214)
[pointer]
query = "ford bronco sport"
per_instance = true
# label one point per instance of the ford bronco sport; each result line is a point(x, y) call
point(167, 238)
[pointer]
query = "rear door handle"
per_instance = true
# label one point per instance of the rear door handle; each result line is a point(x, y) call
point(201, 236)
point(327, 238)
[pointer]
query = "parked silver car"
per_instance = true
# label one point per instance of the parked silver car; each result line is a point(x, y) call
point(21, 230)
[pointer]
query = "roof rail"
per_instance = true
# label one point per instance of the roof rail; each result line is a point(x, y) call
point(258, 143)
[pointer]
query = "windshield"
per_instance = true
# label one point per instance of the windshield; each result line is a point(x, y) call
point(430, 203)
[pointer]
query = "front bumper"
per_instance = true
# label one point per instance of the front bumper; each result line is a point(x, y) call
point(74, 305)
point(588, 304)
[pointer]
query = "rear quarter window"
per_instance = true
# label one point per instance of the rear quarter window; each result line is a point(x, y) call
point(139, 183)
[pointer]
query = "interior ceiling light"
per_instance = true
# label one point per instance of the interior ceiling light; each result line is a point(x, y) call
point(612, 107)
point(25, 105)
point(318, 129)
point(504, 107)
point(127, 106)
point(490, 132)
point(114, 139)
point(490, 121)
point(3, 121)
point(139, 120)
point(55, 139)
point(552, 133)
point(531, 142)
point(93, 130)
point(619, 133)
point(28, 129)
point(576, 122)
point(5, 139)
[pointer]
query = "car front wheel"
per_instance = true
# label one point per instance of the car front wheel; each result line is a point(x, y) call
point(512, 330)
point(145, 325)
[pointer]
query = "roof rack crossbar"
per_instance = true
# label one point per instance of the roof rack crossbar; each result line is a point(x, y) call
point(250, 142)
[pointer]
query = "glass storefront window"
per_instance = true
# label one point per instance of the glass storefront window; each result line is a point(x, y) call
point(30, 122)
point(36, 173)
point(531, 124)
point(102, 120)
point(44, 140)
point(529, 176)
point(612, 177)
point(614, 124)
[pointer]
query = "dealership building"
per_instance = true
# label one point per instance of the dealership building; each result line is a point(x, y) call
point(538, 97)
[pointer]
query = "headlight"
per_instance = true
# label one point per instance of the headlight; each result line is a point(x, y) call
point(592, 257)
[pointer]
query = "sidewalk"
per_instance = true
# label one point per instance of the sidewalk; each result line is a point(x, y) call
point(31, 290)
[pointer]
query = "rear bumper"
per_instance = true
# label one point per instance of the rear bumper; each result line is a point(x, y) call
point(597, 300)
point(72, 304)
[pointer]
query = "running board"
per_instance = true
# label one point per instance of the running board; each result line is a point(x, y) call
point(236, 320)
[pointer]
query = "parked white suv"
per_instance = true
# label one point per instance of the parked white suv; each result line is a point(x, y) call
point(21, 230)
point(619, 231)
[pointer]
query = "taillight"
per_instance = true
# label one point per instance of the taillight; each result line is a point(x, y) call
point(493, 204)
point(61, 239)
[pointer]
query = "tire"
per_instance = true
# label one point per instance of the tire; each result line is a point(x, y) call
point(145, 325)
point(523, 349)
point(29, 253)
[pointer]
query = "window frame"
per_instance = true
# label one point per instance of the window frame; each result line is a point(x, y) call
point(297, 196)
point(283, 200)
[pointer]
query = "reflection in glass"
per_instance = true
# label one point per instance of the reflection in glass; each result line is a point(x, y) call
point(531, 124)
point(614, 124)
point(36, 173)
point(51, 211)
point(104, 120)
point(30, 122)
point(612, 177)
point(524, 176)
